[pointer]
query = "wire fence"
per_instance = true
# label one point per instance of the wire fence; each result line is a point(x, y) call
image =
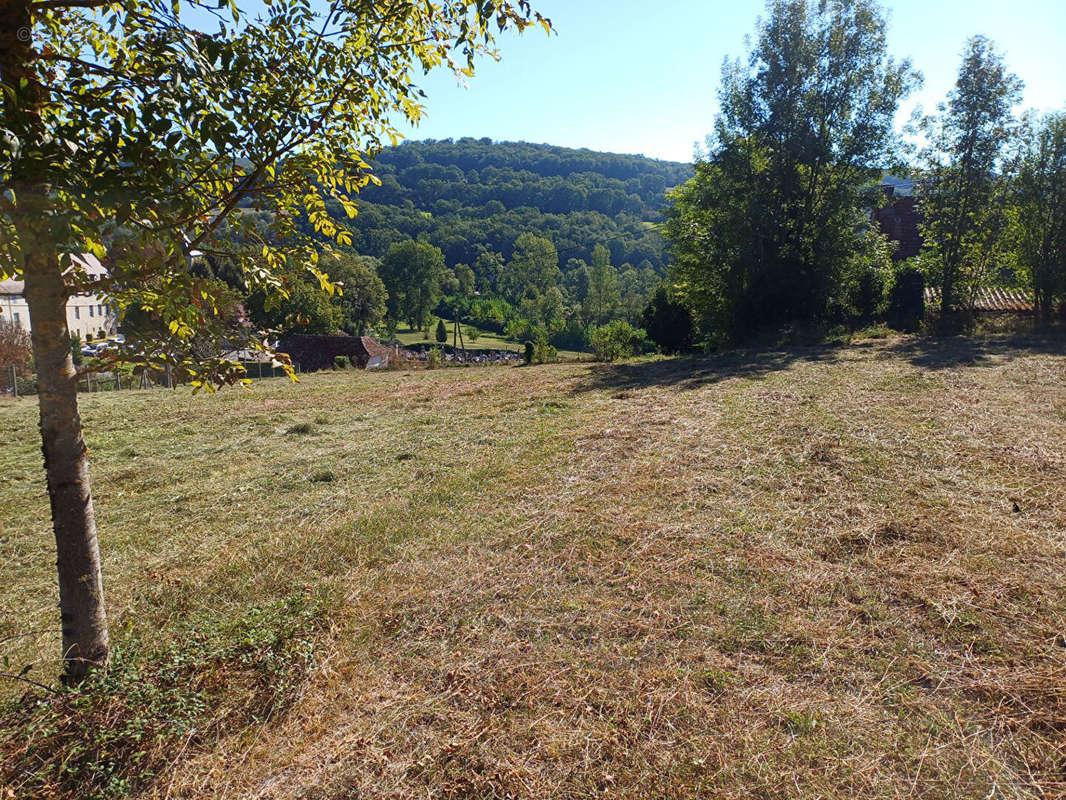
point(16, 382)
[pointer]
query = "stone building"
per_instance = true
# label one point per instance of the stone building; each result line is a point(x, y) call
point(88, 315)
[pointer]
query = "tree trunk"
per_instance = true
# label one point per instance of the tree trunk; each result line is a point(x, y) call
point(66, 463)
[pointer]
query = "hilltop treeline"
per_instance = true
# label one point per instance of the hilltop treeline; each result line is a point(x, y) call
point(474, 196)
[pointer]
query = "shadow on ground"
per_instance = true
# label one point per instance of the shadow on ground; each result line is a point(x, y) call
point(932, 353)
point(692, 372)
point(949, 352)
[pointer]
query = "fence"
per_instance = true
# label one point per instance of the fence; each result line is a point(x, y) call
point(14, 384)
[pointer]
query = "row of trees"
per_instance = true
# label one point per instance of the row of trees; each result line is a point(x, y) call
point(774, 227)
point(529, 295)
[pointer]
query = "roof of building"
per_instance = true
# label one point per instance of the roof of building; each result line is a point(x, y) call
point(87, 261)
point(990, 299)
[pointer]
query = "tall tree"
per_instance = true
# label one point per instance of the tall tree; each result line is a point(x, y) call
point(130, 114)
point(1039, 211)
point(362, 294)
point(603, 299)
point(412, 272)
point(762, 232)
point(961, 171)
point(533, 268)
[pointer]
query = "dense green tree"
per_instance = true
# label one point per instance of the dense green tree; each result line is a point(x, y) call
point(442, 332)
point(962, 190)
point(487, 269)
point(636, 286)
point(532, 269)
point(763, 231)
point(411, 272)
point(668, 323)
point(1039, 211)
point(169, 117)
point(604, 299)
point(362, 294)
point(465, 276)
point(306, 309)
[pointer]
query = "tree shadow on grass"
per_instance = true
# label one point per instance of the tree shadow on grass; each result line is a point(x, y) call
point(951, 352)
point(692, 372)
point(932, 353)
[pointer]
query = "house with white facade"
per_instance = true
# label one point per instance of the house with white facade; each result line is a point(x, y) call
point(88, 315)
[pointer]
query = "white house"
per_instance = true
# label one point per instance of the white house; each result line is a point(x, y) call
point(87, 314)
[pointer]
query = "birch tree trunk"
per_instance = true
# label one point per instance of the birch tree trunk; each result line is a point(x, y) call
point(66, 458)
point(66, 464)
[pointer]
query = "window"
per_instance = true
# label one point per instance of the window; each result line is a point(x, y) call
point(16, 318)
point(90, 311)
point(100, 310)
point(77, 313)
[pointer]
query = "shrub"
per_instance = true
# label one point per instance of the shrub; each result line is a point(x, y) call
point(442, 332)
point(301, 428)
point(668, 323)
point(75, 349)
point(433, 358)
point(544, 353)
point(473, 334)
point(342, 362)
point(615, 340)
point(26, 384)
point(906, 299)
point(119, 731)
point(15, 346)
point(528, 351)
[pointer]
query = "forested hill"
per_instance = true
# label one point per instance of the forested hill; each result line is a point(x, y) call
point(473, 195)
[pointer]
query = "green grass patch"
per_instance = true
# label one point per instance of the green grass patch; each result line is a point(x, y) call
point(115, 734)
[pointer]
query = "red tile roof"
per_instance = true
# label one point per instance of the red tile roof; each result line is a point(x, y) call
point(989, 299)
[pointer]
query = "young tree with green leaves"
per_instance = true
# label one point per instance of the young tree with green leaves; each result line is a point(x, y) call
point(412, 272)
point(762, 232)
point(183, 125)
point(962, 193)
point(533, 268)
point(604, 299)
point(1039, 211)
point(362, 293)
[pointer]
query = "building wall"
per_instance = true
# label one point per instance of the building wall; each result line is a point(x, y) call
point(87, 315)
point(899, 220)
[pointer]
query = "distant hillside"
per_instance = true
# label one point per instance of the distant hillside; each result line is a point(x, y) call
point(473, 195)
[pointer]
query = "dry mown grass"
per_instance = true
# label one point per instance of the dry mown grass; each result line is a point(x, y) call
point(816, 573)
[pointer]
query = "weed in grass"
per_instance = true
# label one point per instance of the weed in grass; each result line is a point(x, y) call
point(799, 723)
point(116, 733)
point(716, 681)
point(300, 428)
point(322, 476)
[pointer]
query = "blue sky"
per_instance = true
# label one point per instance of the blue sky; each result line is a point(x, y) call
point(632, 76)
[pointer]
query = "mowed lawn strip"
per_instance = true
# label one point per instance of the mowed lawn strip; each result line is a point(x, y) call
point(823, 572)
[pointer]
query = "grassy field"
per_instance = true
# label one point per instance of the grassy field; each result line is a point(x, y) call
point(487, 340)
point(822, 572)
